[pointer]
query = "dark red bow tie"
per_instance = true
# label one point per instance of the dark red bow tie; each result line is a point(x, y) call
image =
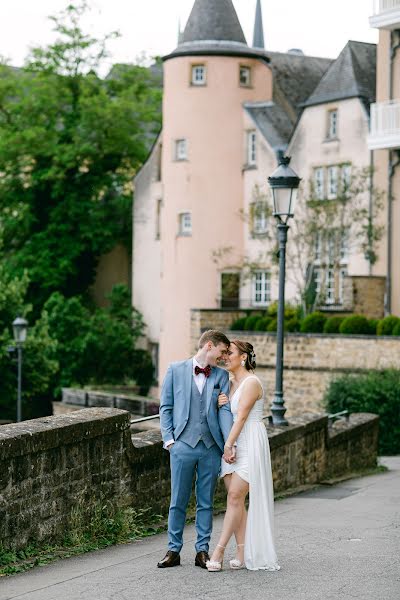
point(206, 370)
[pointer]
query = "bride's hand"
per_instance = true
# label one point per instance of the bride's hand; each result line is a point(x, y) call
point(222, 400)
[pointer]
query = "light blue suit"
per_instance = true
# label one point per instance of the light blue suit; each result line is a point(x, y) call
point(186, 461)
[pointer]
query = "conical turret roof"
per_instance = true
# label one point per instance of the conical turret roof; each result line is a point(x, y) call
point(258, 36)
point(213, 20)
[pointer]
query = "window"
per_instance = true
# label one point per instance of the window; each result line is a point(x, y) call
point(185, 223)
point(181, 150)
point(318, 280)
point(251, 148)
point(319, 183)
point(332, 124)
point(346, 177)
point(344, 246)
point(331, 243)
point(158, 219)
point(330, 286)
point(245, 76)
point(318, 247)
point(260, 217)
point(198, 75)
point(332, 182)
point(261, 288)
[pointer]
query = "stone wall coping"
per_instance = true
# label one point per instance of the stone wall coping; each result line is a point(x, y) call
point(342, 430)
point(297, 428)
point(38, 435)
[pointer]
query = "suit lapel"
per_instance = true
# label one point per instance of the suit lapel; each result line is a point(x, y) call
point(188, 384)
point(210, 386)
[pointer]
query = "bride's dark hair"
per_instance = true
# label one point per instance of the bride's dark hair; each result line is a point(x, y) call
point(246, 348)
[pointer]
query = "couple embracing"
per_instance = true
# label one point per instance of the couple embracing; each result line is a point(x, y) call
point(212, 427)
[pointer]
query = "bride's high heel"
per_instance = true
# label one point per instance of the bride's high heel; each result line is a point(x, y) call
point(214, 565)
point(235, 563)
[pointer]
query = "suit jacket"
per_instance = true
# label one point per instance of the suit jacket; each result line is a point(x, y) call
point(175, 402)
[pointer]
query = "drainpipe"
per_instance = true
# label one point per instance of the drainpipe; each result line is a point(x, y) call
point(370, 209)
point(391, 169)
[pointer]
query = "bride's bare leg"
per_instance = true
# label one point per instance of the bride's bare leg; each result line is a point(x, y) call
point(240, 533)
point(234, 516)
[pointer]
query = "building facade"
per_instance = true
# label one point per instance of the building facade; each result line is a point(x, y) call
point(384, 142)
point(203, 230)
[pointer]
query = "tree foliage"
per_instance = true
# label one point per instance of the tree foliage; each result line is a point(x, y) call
point(70, 144)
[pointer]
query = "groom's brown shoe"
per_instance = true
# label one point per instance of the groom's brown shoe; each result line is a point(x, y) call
point(201, 558)
point(171, 559)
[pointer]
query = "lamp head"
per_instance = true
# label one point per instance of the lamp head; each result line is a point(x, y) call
point(20, 329)
point(284, 183)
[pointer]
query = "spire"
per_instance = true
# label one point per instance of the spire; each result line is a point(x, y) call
point(258, 37)
point(213, 20)
point(180, 33)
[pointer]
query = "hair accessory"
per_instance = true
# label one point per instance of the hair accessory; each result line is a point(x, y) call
point(252, 356)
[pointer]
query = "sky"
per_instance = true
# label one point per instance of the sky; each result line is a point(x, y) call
point(149, 27)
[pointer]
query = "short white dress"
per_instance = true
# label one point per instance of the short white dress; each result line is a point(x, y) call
point(253, 464)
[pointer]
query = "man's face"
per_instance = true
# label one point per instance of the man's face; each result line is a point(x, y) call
point(216, 354)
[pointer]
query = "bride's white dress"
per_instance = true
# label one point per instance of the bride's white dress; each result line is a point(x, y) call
point(253, 464)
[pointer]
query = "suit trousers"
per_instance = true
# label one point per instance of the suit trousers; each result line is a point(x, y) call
point(186, 462)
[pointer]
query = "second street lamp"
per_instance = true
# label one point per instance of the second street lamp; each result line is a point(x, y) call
point(284, 184)
point(20, 329)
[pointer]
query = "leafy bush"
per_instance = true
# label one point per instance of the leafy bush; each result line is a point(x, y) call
point(376, 392)
point(98, 347)
point(292, 325)
point(396, 329)
point(272, 325)
point(355, 325)
point(373, 324)
point(262, 324)
point(239, 324)
point(333, 324)
point(251, 322)
point(386, 325)
point(313, 323)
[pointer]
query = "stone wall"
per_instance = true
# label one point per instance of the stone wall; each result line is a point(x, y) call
point(366, 295)
point(55, 472)
point(311, 360)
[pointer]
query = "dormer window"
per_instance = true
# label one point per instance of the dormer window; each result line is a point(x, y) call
point(332, 124)
point(199, 75)
point(245, 76)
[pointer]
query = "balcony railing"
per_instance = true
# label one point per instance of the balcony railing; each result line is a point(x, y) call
point(385, 125)
point(386, 14)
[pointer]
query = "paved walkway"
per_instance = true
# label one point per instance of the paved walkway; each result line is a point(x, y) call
point(334, 543)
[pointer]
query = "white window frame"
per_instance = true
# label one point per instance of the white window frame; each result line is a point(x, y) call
point(181, 150)
point(344, 246)
point(333, 171)
point(260, 218)
point(199, 74)
point(185, 223)
point(318, 280)
point(333, 119)
point(245, 69)
point(319, 182)
point(318, 248)
point(345, 176)
point(261, 288)
point(252, 147)
point(330, 286)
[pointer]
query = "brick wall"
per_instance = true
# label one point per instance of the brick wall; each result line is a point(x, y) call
point(55, 471)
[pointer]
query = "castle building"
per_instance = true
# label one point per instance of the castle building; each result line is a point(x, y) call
point(200, 221)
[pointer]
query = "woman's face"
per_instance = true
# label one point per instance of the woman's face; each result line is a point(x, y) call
point(234, 358)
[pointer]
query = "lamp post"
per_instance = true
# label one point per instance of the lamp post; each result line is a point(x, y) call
point(284, 184)
point(20, 329)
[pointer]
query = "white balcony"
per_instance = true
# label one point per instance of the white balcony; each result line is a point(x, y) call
point(386, 14)
point(385, 125)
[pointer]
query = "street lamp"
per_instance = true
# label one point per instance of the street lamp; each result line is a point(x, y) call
point(284, 184)
point(20, 329)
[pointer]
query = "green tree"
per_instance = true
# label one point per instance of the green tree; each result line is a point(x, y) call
point(70, 144)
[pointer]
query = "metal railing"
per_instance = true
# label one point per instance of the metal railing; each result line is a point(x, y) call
point(143, 419)
point(385, 117)
point(381, 6)
point(343, 414)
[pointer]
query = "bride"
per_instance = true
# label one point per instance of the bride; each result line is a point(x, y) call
point(246, 468)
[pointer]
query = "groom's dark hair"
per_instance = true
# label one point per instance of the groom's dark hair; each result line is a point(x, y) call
point(214, 336)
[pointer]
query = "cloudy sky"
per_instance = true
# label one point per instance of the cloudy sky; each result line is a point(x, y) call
point(318, 27)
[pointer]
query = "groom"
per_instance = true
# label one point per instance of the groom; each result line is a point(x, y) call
point(194, 431)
